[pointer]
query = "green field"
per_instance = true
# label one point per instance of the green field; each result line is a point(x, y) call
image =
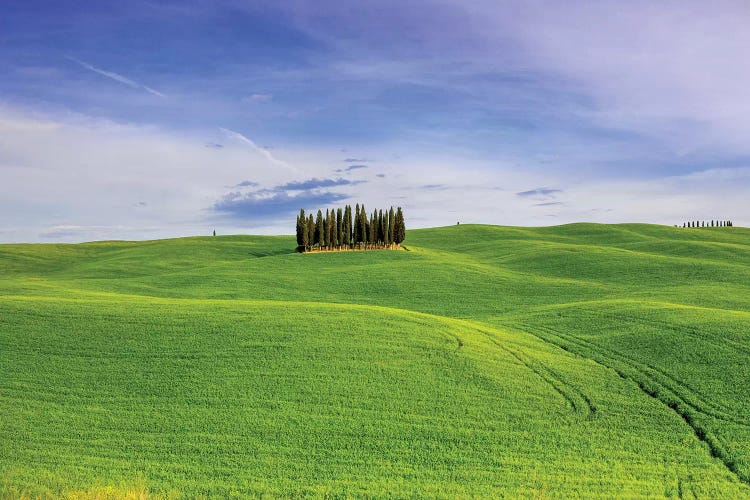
point(578, 360)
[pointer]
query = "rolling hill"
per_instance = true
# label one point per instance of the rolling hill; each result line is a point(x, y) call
point(577, 360)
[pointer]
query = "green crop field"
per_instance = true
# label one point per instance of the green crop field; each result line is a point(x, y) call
point(578, 360)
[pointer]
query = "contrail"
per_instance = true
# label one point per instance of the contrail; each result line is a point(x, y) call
point(117, 77)
point(266, 153)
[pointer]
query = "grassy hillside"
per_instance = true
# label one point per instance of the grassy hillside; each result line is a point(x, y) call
point(576, 360)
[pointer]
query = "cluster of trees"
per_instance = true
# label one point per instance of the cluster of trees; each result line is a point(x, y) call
point(341, 229)
point(713, 223)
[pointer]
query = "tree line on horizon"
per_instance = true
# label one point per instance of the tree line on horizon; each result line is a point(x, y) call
point(713, 223)
point(342, 229)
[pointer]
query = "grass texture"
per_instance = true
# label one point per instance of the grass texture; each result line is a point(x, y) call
point(573, 361)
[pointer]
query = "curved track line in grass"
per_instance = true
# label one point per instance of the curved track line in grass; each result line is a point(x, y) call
point(674, 401)
point(585, 409)
point(678, 388)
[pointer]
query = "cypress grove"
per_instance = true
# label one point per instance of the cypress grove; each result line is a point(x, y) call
point(713, 223)
point(342, 229)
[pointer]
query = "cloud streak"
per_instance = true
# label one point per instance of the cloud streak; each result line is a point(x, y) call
point(316, 184)
point(117, 77)
point(542, 191)
point(262, 151)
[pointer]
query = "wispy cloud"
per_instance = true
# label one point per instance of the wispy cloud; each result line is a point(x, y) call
point(263, 151)
point(117, 77)
point(718, 174)
point(542, 191)
point(351, 168)
point(258, 98)
point(316, 184)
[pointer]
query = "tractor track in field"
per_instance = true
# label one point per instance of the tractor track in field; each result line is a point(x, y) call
point(681, 390)
point(579, 402)
point(682, 407)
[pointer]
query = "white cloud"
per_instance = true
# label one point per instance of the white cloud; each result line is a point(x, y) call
point(84, 172)
point(79, 179)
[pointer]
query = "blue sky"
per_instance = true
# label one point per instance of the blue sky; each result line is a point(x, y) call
point(151, 119)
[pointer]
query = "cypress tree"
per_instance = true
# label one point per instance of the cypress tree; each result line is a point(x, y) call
point(299, 233)
point(399, 230)
point(355, 228)
point(356, 235)
point(339, 228)
point(301, 230)
point(363, 229)
point(381, 228)
point(310, 232)
point(344, 227)
point(320, 235)
point(305, 234)
point(372, 229)
point(387, 229)
point(326, 231)
point(348, 225)
point(391, 223)
point(332, 230)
